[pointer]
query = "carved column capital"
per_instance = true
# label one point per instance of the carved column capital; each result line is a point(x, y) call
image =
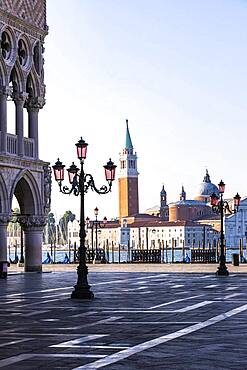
point(28, 222)
point(4, 219)
point(35, 104)
point(20, 98)
point(5, 91)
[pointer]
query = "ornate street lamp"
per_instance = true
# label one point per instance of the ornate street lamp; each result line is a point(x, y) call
point(96, 224)
point(221, 206)
point(80, 184)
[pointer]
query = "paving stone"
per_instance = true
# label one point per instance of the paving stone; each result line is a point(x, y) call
point(205, 327)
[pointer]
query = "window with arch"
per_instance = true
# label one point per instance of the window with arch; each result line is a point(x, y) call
point(36, 58)
point(6, 45)
point(22, 52)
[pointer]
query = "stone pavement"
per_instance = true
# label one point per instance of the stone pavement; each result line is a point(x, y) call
point(143, 267)
point(138, 321)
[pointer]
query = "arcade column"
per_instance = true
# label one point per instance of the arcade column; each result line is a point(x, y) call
point(3, 237)
point(33, 227)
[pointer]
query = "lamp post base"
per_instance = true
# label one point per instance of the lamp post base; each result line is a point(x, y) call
point(82, 293)
point(222, 271)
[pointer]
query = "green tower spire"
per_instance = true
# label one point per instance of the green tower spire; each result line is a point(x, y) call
point(128, 142)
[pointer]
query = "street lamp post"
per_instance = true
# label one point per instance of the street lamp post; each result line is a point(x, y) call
point(221, 206)
point(81, 182)
point(96, 224)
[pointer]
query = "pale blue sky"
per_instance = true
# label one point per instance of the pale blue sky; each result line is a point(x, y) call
point(176, 69)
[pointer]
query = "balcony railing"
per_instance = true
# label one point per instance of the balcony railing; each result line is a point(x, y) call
point(12, 146)
point(29, 147)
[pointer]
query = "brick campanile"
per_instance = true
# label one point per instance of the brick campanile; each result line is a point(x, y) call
point(128, 179)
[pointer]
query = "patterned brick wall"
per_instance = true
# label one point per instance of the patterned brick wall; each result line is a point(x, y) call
point(31, 11)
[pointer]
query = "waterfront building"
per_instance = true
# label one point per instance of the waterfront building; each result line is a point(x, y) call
point(236, 226)
point(73, 232)
point(149, 234)
point(22, 173)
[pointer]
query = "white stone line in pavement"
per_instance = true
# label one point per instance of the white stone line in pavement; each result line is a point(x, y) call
point(232, 295)
point(15, 342)
point(84, 314)
point(11, 302)
point(155, 322)
point(126, 291)
point(37, 291)
point(5, 333)
point(211, 286)
point(78, 341)
point(14, 359)
point(176, 301)
point(232, 288)
point(141, 311)
point(128, 280)
point(27, 356)
point(70, 355)
point(104, 321)
point(33, 313)
point(40, 302)
point(121, 355)
point(103, 347)
point(206, 276)
point(180, 310)
point(54, 295)
point(177, 286)
point(194, 306)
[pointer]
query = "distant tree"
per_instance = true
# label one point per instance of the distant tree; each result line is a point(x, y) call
point(50, 229)
point(63, 226)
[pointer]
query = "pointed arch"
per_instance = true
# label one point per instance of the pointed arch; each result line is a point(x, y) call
point(32, 85)
point(17, 78)
point(26, 190)
point(9, 32)
point(3, 74)
point(4, 199)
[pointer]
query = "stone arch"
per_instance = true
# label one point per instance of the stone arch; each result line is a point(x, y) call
point(32, 85)
point(4, 199)
point(27, 49)
point(13, 47)
point(26, 190)
point(17, 78)
point(37, 57)
point(3, 74)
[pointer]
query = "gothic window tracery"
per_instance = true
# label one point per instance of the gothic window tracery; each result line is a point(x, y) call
point(22, 53)
point(36, 58)
point(6, 45)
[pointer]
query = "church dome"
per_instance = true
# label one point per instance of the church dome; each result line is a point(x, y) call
point(207, 188)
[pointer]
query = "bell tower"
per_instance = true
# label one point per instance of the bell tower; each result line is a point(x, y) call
point(164, 209)
point(182, 195)
point(128, 179)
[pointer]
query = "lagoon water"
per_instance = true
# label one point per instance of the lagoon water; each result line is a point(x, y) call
point(124, 256)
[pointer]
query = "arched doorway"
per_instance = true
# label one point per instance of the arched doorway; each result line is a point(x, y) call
point(31, 218)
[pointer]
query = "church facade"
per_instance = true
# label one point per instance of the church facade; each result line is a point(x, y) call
point(23, 174)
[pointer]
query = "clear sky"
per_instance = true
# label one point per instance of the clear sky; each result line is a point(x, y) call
point(176, 69)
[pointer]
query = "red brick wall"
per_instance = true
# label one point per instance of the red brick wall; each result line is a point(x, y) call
point(128, 196)
point(188, 213)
